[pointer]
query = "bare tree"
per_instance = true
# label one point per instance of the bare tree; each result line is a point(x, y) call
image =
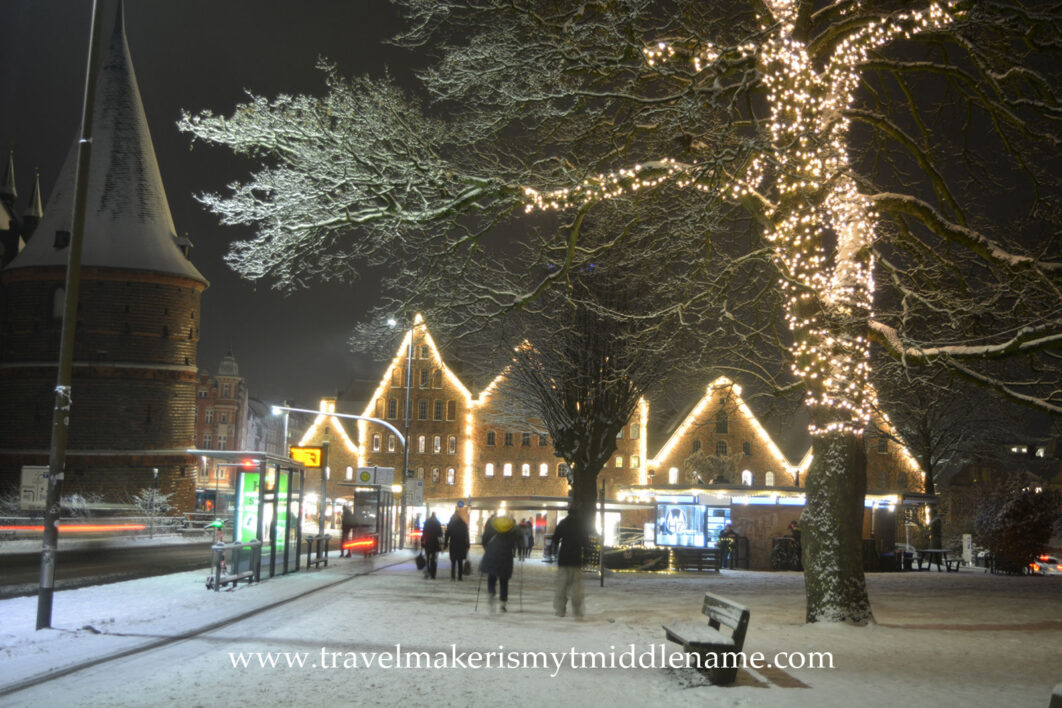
point(815, 174)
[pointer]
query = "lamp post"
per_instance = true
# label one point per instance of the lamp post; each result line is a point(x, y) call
point(405, 458)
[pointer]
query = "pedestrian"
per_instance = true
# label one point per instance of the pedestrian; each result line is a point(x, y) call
point(569, 539)
point(501, 539)
point(727, 541)
point(430, 539)
point(348, 532)
point(456, 540)
point(529, 537)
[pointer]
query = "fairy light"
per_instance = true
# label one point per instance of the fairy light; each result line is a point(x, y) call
point(808, 193)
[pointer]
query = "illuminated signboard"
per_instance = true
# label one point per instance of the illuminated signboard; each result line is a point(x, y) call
point(247, 513)
point(307, 456)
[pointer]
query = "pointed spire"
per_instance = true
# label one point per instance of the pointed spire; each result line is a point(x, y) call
point(7, 190)
point(33, 213)
point(128, 222)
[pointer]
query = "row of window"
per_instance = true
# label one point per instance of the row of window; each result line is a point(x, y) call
point(208, 440)
point(525, 470)
point(208, 417)
point(440, 410)
point(525, 439)
point(722, 448)
point(425, 378)
point(746, 477)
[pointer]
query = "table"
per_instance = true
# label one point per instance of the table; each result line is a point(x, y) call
point(939, 557)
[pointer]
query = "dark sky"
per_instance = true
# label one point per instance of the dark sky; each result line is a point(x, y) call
point(197, 54)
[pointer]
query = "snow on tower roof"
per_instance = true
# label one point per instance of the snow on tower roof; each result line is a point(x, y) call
point(127, 219)
point(7, 187)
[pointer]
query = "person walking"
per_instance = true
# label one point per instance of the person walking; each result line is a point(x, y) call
point(348, 532)
point(569, 539)
point(456, 540)
point(501, 539)
point(430, 538)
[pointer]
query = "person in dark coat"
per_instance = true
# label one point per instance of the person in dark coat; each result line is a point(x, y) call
point(457, 541)
point(501, 539)
point(430, 539)
point(569, 539)
point(348, 531)
point(727, 540)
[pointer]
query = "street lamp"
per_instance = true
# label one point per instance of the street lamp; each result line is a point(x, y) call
point(405, 461)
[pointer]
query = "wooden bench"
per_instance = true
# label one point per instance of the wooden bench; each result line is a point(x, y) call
point(695, 559)
point(717, 650)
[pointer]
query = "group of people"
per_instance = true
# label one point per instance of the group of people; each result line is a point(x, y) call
point(503, 540)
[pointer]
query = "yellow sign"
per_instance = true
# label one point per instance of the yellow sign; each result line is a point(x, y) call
point(308, 456)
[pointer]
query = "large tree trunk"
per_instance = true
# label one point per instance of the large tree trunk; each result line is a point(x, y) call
point(832, 531)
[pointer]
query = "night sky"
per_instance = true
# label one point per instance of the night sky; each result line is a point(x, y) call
point(198, 54)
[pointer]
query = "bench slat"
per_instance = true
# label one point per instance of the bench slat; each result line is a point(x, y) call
point(698, 634)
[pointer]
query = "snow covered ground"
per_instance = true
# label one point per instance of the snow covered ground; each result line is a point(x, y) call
point(942, 639)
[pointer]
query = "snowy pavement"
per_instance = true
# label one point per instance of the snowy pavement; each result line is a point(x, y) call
point(942, 639)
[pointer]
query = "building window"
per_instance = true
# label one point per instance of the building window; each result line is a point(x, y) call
point(491, 437)
point(768, 479)
point(746, 447)
point(619, 461)
point(722, 423)
point(635, 462)
point(562, 469)
point(508, 440)
point(438, 413)
point(422, 410)
point(375, 442)
point(420, 444)
point(391, 443)
point(392, 408)
point(225, 390)
point(525, 439)
point(210, 415)
point(451, 445)
point(451, 410)
point(746, 478)
point(720, 448)
point(420, 473)
point(436, 379)
point(350, 473)
point(396, 377)
point(435, 475)
point(543, 440)
point(221, 442)
point(525, 470)
point(672, 475)
point(451, 476)
point(425, 351)
point(507, 469)
point(883, 445)
point(696, 445)
point(224, 417)
point(543, 470)
point(436, 444)
point(488, 470)
point(636, 430)
point(207, 441)
point(424, 374)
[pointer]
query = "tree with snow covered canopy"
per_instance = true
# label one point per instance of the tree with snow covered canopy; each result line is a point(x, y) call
point(857, 148)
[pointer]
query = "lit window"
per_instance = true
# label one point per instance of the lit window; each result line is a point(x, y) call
point(619, 461)
point(350, 473)
point(490, 437)
point(746, 447)
point(451, 410)
point(488, 470)
point(525, 439)
point(525, 470)
point(720, 448)
point(451, 445)
point(436, 444)
point(451, 475)
point(420, 444)
point(391, 443)
point(635, 462)
point(768, 479)
point(375, 442)
point(438, 410)
point(672, 475)
point(543, 470)
point(746, 478)
point(636, 431)
point(507, 469)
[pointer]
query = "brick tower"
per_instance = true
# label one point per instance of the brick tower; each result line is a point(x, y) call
point(134, 375)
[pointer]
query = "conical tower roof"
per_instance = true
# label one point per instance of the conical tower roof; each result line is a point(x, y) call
point(7, 187)
point(34, 208)
point(127, 220)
